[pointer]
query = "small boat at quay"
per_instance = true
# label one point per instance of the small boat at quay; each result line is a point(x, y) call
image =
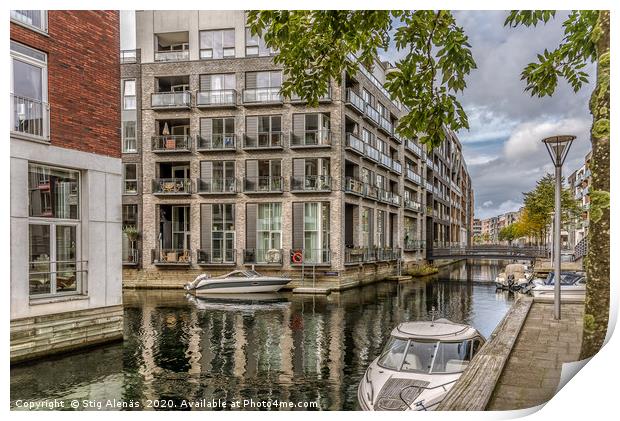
point(515, 277)
point(572, 287)
point(235, 282)
point(418, 366)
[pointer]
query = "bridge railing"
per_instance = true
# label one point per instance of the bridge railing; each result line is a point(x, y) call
point(495, 250)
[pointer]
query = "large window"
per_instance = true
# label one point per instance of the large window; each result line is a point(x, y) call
point(223, 232)
point(269, 227)
point(218, 82)
point(255, 45)
point(365, 227)
point(54, 227)
point(129, 94)
point(316, 232)
point(130, 178)
point(29, 109)
point(217, 133)
point(217, 44)
point(34, 18)
point(129, 137)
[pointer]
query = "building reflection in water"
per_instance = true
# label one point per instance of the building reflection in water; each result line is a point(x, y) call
point(290, 348)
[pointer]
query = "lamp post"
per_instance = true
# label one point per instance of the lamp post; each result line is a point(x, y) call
point(558, 147)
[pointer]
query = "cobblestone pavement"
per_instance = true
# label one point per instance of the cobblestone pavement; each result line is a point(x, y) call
point(532, 372)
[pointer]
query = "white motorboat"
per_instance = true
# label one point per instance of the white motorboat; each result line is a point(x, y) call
point(572, 287)
point(418, 366)
point(515, 278)
point(237, 281)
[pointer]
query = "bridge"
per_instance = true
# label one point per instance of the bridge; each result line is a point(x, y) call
point(488, 252)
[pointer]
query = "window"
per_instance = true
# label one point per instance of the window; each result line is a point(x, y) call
point(129, 137)
point(310, 129)
point(53, 234)
point(130, 179)
point(410, 232)
point(255, 45)
point(218, 82)
point(316, 232)
point(269, 226)
point(130, 215)
point(129, 94)
point(365, 226)
point(262, 86)
point(263, 131)
point(34, 18)
point(223, 232)
point(217, 176)
point(29, 109)
point(367, 137)
point(217, 133)
point(217, 44)
point(381, 228)
point(367, 97)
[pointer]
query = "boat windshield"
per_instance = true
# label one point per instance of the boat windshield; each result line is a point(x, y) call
point(565, 279)
point(425, 357)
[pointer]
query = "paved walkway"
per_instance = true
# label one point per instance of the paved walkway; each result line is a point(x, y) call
point(532, 372)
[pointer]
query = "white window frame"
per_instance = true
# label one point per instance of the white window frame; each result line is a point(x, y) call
point(134, 96)
point(227, 52)
point(16, 17)
point(227, 234)
point(127, 139)
point(16, 55)
point(125, 180)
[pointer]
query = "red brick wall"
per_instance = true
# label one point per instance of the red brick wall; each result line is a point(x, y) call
point(83, 78)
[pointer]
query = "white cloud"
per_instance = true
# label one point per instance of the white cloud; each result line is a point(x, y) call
point(487, 204)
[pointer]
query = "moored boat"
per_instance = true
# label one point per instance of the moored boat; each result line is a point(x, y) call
point(572, 287)
point(237, 281)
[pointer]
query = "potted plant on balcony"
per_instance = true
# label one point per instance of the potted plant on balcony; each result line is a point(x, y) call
point(170, 141)
point(132, 234)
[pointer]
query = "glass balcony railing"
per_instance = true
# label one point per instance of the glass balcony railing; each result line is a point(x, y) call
point(413, 176)
point(397, 167)
point(266, 140)
point(413, 147)
point(371, 152)
point(385, 125)
point(355, 101)
point(216, 98)
point(311, 183)
point(171, 143)
point(171, 99)
point(30, 117)
point(353, 185)
point(355, 143)
point(216, 142)
point(180, 55)
point(216, 186)
point(273, 184)
point(385, 160)
point(311, 138)
point(216, 257)
point(372, 113)
point(262, 95)
point(172, 186)
point(413, 205)
point(171, 256)
point(262, 256)
point(129, 56)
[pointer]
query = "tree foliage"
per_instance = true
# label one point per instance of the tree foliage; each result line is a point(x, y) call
point(317, 46)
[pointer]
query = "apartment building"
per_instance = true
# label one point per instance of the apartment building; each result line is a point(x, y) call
point(65, 165)
point(477, 229)
point(221, 171)
point(579, 184)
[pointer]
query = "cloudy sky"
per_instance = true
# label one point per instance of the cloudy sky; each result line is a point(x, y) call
point(502, 149)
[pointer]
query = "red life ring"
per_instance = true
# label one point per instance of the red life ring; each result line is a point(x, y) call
point(297, 257)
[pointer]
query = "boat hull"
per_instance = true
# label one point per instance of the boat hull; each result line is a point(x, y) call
point(226, 286)
point(567, 293)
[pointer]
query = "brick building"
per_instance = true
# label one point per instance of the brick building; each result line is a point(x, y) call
point(221, 171)
point(65, 181)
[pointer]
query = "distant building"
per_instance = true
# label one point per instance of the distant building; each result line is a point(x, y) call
point(579, 183)
point(66, 289)
point(477, 228)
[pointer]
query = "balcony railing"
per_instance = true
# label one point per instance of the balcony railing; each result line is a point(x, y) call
point(387, 253)
point(310, 257)
point(311, 183)
point(171, 143)
point(131, 256)
point(216, 257)
point(272, 184)
point(262, 95)
point(266, 140)
point(216, 98)
point(216, 142)
point(413, 245)
point(355, 101)
point(174, 257)
point(260, 256)
point(355, 144)
point(372, 113)
point(385, 125)
point(413, 147)
point(311, 138)
point(385, 160)
point(216, 186)
point(428, 186)
point(128, 56)
point(353, 185)
point(172, 186)
point(413, 205)
point(371, 152)
point(413, 176)
point(389, 197)
point(30, 117)
point(171, 99)
point(397, 167)
point(429, 163)
point(181, 55)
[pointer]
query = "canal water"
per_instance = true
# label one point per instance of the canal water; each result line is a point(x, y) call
point(309, 350)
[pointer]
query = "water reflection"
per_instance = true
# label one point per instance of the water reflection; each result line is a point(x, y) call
point(289, 348)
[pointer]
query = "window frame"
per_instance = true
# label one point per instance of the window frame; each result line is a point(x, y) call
point(134, 96)
point(212, 32)
point(125, 138)
point(127, 192)
point(44, 21)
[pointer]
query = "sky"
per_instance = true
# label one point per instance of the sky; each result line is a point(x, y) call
point(503, 149)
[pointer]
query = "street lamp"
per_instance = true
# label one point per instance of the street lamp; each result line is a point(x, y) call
point(558, 147)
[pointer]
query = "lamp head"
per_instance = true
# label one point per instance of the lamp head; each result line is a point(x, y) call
point(558, 147)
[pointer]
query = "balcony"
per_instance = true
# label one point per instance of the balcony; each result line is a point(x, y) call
point(413, 205)
point(273, 184)
point(371, 152)
point(311, 184)
point(259, 96)
point(413, 245)
point(216, 186)
point(429, 163)
point(178, 55)
point(131, 256)
point(129, 56)
point(386, 126)
point(360, 255)
point(385, 161)
point(354, 144)
point(30, 117)
point(355, 101)
point(354, 186)
point(397, 167)
point(265, 140)
point(388, 197)
point(411, 175)
point(311, 139)
point(171, 257)
point(371, 114)
point(171, 100)
point(310, 257)
point(428, 186)
point(216, 142)
point(171, 143)
point(216, 257)
point(172, 186)
point(414, 147)
point(262, 257)
point(221, 98)
point(386, 254)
